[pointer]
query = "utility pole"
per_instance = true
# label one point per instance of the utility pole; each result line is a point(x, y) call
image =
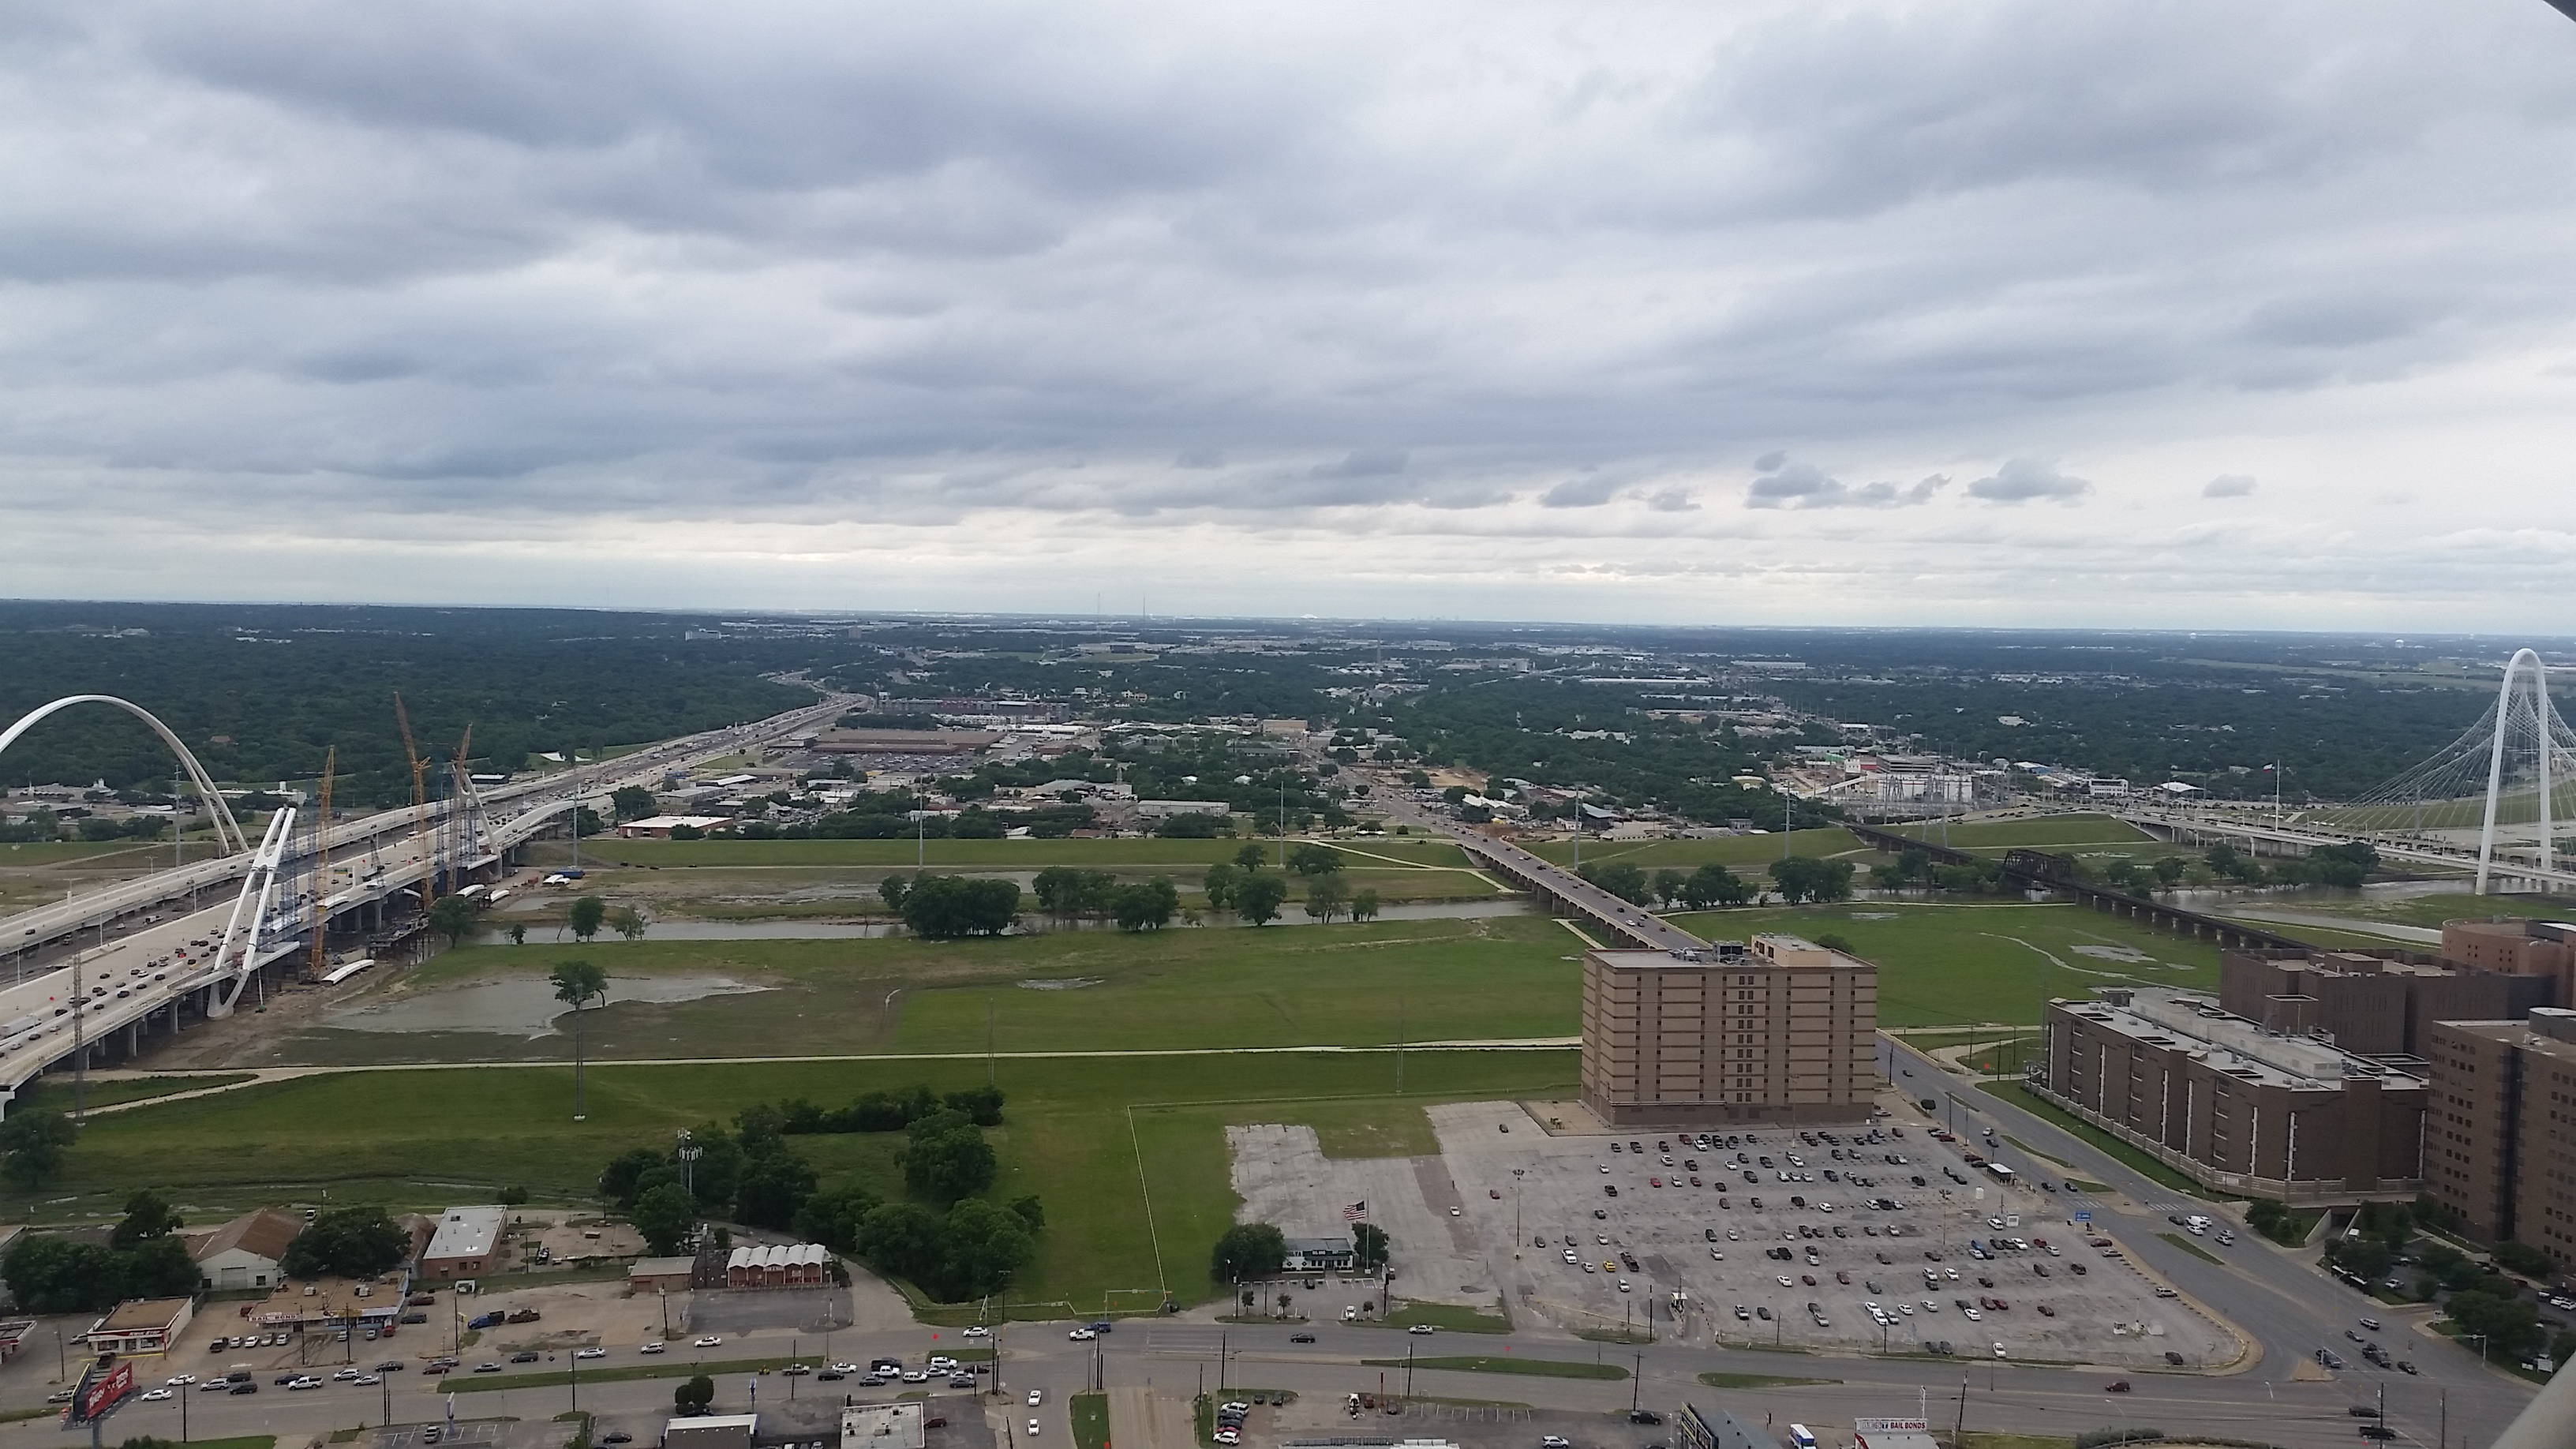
point(1958, 1431)
point(1637, 1382)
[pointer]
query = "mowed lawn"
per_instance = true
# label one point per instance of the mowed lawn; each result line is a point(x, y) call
point(1473, 979)
point(422, 1139)
point(1195, 855)
point(1940, 964)
point(1480, 979)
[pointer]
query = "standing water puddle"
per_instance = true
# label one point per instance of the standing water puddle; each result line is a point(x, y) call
point(520, 1005)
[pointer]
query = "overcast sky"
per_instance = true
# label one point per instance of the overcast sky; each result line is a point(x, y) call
point(2156, 312)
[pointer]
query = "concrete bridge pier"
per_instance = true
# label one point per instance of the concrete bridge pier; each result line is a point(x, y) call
point(133, 1039)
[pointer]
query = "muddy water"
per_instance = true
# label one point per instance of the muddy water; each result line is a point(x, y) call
point(517, 1006)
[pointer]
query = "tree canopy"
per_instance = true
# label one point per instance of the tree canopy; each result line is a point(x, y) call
point(349, 1242)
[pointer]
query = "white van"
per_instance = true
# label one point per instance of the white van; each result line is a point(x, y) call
point(1800, 1438)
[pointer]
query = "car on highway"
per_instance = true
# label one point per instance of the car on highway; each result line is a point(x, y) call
point(590, 1353)
point(1301, 1338)
point(154, 1396)
point(709, 1341)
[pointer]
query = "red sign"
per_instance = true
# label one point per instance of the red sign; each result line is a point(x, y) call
point(102, 1389)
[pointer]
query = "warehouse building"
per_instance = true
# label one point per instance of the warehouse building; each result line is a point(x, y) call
point(2500, 1140)
point(2238, 1107)
point(1777, 1030)
point(466, 1242)
point(245, 1252)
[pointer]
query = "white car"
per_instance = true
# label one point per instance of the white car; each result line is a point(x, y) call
point(847, 1368)
point(916, 1376)
point(976, 1331)
point(1036, 1397)
point(154, 1396)
point(1082, 1335)
point(590, 1353)
point(180, 1381)
point(366, 1379)
point(710, 1341)
point(306, 1382)
point(1033, 1428)
point(654, 1347)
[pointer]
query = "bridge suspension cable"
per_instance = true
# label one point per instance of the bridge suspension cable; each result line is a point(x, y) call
point(2513, 771)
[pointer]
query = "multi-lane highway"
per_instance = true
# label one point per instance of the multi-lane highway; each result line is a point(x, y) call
point(153, 969)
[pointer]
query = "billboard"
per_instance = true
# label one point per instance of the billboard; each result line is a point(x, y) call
point(103, 1386)
point(1891, 1426)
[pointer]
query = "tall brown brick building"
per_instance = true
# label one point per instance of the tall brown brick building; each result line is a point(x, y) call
point(2373, 1003)
point(2237, 1106)
point(2500, 1143)
point(2516, 947)
point(1775, 1030)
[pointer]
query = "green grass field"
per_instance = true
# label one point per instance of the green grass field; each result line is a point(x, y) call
point(2136, 1161)
point(1941, 964)
point(54, 1093)
point(1472, 979)
point(422, 1139)
point(998, 854)
point(1090, 1420)
point(1748, 851)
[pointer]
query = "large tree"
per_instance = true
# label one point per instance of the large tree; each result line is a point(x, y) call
point(586, 915)
point(576, 982)
point(1248, 1250)
point(666, 1217)
point(947, 1158)
point(632, 802)
point(350, 1242)
point(147, 1216)
point(1257, 898)
point(35, 1143)
point(453, 917)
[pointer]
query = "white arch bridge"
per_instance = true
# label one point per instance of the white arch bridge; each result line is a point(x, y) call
point(2489, 802)
point(152, 968)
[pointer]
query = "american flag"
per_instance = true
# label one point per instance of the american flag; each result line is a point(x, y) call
point(1355, 1212)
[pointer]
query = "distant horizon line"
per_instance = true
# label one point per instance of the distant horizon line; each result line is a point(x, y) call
point(1310, 621)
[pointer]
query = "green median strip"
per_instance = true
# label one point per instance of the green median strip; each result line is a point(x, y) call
point(1545, 1368)
point(670, 1367)
point(1758, 1381)
point(2195, 1249)
point(1090, 1421)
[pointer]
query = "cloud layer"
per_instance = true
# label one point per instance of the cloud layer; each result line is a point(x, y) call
point(1310, 310)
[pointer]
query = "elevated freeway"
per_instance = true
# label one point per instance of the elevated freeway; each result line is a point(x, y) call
point(1552, 887)
point(155, 971)
point(2411, 847)
point(383, 835)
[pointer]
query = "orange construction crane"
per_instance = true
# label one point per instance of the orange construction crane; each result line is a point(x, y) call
point(322, 860)
point(419, 798)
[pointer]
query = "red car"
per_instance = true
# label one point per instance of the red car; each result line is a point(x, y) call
point(1654, 1182)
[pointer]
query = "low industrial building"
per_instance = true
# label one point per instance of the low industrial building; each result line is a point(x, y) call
point(2372, 1003)
point(1698, 1428)
point(466, 1243)
point(245, 1252)
point(661, 1275)
point(659, 827)
point(711, 1431)
point(795, 1265)
point(883, 1426)
point(1778, 1030)
point(2500, 1141)
point(1320, 1255)
point(140, 1326)
point(2236, 1106)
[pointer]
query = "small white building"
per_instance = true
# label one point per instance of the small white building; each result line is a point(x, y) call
point(245, 1252)
point(659, 827)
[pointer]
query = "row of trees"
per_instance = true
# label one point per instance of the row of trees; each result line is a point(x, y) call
point(1706, 888)
point(146, 1258)
point(884, 1111)
point(1067, 894)
point(949, 907)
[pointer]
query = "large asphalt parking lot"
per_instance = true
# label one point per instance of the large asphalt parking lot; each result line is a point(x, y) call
point(1660, 1235)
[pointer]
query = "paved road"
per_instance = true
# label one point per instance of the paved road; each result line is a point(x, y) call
point(1173, 1355)
point(2272, 1293)
point(1623, 922)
